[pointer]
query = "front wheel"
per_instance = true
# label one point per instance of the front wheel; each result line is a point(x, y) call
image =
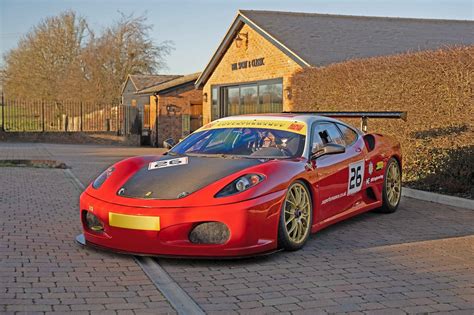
point(392, 187)
point(296, 217)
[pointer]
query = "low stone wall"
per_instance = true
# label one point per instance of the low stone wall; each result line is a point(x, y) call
point(109, 138)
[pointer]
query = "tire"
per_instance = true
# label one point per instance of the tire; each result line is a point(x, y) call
point(392, 187)
point(295, 212)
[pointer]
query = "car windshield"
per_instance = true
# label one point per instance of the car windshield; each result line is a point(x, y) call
point(243, 142)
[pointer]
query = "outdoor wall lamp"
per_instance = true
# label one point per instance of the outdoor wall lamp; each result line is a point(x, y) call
point(204, 97)
point(239, 39)
point(172, 109)
point(288, 93)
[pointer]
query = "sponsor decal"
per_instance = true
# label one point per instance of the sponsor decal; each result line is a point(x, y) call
point(332, 198)
point(356, 177)
point(373, 179)
point(291, 126)
point(371, 168)
point(296, 126)
point(207, 126)
point(379, 165)
point(168, 163)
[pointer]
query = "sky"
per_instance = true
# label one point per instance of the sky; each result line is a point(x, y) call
point(197, 27)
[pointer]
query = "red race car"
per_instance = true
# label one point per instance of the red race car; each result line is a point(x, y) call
point(243, 185)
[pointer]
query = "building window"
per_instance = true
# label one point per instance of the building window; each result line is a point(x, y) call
point(249, 99)
point(271, 98)
point(255, 98)
point(232, 101)
point(214, 103)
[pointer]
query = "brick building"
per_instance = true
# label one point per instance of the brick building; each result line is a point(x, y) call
point(130, 97)
point(175, 109)
point(138, 82)
point(251, 68)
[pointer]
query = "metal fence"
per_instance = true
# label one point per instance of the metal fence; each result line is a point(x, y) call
point(67, 116)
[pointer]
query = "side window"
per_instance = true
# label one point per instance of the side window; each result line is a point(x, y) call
point(317, 141)
point(325, 133)
point(349, 135)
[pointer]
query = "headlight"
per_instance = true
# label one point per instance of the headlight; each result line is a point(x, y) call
point(102, 177)
point(241, 184)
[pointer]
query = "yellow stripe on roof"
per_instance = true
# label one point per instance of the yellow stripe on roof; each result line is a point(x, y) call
point(285, 125)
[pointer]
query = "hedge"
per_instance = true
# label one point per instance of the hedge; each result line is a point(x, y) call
point(435, 87)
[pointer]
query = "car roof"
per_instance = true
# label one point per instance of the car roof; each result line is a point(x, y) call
point(306, 118)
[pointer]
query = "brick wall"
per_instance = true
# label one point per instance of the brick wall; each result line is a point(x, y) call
point(277, 65)
point(170, 122)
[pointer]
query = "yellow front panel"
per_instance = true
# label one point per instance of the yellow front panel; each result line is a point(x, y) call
point(134, 222)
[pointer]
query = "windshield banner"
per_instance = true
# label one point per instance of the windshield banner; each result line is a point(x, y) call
point(290, 126)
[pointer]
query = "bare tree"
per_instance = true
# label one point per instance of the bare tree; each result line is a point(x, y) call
point(62, 59)
point(124, 48)
point(46, 58)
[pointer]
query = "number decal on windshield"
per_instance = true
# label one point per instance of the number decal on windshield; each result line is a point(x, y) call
point(356, 177)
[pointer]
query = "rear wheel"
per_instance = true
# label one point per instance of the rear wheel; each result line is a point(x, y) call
point(296, 217)
point(392, 187)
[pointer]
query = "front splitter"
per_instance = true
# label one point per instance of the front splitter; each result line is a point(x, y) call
point(81, 240)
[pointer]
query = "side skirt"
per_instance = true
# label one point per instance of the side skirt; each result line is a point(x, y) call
point(345, 215)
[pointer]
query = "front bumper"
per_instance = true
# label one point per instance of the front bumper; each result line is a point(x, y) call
point(253, 226)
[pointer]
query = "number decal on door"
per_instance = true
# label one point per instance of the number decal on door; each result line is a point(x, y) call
point(356, 177)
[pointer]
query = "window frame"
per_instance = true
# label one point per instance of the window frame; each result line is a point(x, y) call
point(350, 128)
point(222, 111)
point(313, 127)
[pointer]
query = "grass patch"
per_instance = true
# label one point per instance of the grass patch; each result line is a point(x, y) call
point(33, 163)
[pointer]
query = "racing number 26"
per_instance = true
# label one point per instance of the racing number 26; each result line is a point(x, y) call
point(356, 177)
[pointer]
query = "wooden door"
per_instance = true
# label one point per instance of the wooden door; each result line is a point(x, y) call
point(196, 115)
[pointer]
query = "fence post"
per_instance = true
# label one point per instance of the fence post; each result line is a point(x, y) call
point(117, 119)
point(42, 115)
point(3, 112)
point(81, 117)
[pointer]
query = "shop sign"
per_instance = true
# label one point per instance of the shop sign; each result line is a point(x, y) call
point(248, 64)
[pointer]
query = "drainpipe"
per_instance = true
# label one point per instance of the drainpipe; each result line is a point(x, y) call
point(156, 119)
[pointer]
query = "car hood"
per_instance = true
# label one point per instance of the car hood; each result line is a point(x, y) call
point(171, 177)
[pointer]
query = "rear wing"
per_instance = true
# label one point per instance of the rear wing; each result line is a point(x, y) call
point(364, 116)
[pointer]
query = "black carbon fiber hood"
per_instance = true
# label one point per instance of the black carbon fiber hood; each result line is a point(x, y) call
point(176, 177)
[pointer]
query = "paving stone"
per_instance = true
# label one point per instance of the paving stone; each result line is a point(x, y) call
point(416, 260)
point(38, 229)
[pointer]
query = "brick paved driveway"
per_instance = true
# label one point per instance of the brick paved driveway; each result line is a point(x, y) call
point(420, 259)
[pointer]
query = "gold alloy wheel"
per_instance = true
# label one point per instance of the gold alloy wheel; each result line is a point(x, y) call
point(393, 184)
point(297, 210)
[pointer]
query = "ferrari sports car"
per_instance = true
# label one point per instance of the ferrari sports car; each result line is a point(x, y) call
point(243, 185)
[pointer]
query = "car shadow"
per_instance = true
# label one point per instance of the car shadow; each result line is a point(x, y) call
point(415, 221)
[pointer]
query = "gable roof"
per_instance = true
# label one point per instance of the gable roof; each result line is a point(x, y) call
point(313, 39)
point(190, 78)
point(141, 82)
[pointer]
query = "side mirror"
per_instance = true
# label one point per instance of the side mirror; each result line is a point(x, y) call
point(330, 148)
point(168, 143)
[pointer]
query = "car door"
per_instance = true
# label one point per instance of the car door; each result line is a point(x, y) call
point(357, 167)
point(339, 176)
